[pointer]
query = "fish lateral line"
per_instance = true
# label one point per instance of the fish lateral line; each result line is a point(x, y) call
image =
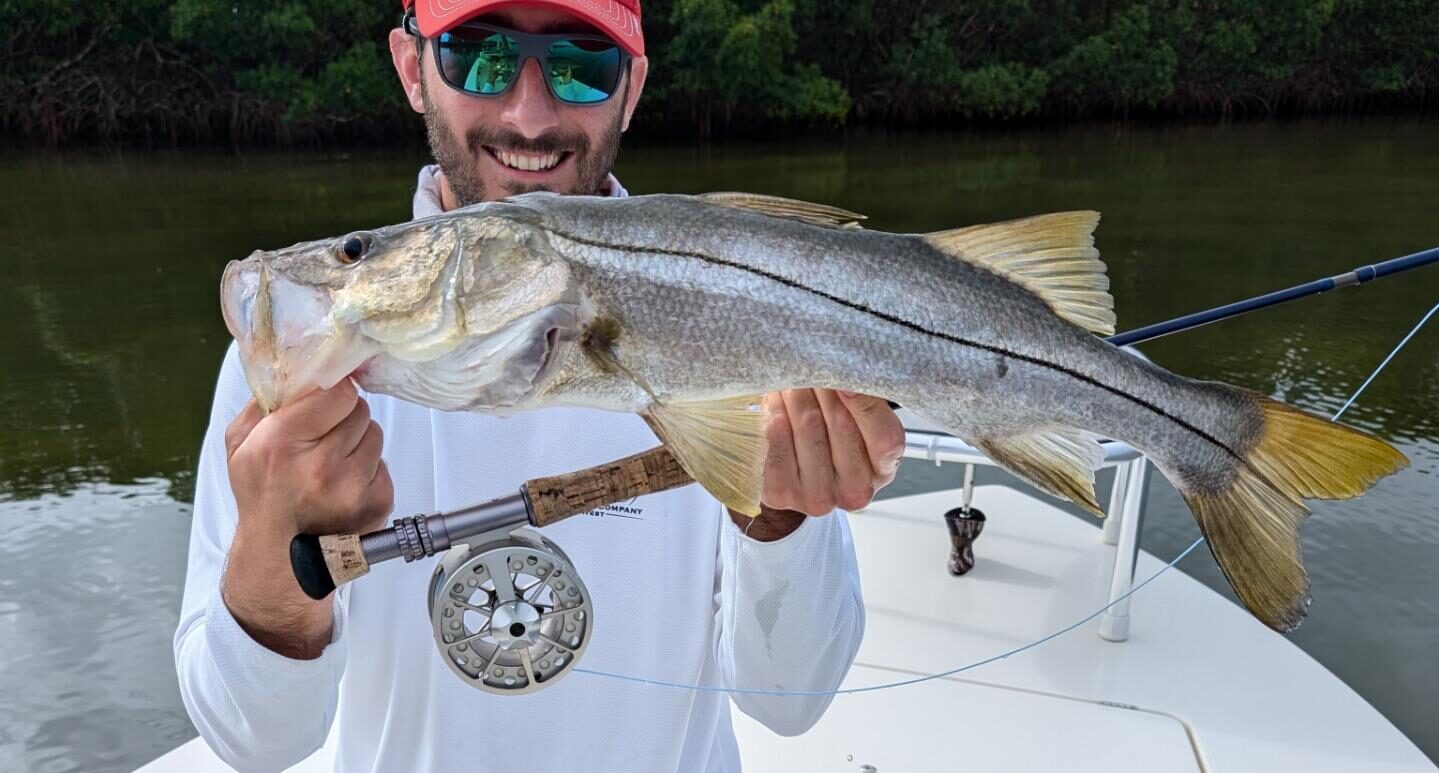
point(892, 319)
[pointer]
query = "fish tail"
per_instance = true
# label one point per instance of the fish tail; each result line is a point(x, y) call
point(1244, 476)
point(1249, 502)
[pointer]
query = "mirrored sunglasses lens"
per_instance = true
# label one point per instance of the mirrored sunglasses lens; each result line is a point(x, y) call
point(479, 61)
point(584, 71)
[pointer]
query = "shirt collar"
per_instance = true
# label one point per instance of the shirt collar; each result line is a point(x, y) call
point(427, 191)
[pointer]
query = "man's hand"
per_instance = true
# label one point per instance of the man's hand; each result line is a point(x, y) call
point(827, 450)
point(312, 467)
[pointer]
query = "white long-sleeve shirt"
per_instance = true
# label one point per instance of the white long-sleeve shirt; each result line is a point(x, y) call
point(679, 594)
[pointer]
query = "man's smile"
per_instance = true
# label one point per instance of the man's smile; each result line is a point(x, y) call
point(527, 164)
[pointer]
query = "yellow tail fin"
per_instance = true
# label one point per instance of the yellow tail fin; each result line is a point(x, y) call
point(1252, 525)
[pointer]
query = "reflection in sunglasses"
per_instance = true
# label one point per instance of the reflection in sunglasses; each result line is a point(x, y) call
point(485, 61)
point(488, 76)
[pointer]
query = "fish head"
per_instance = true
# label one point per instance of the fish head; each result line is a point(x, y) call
point(463, 310)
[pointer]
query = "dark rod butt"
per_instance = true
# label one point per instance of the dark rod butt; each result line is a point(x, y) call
point(308, 562)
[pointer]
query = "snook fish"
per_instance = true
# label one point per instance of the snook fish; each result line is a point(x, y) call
point(684, 309)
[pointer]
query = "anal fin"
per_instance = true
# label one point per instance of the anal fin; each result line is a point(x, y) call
point(1057, 461)
point(720, 443)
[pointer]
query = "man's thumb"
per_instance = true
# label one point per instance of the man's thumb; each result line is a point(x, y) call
point(242, 426)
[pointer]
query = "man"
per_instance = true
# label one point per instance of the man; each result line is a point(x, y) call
point(682, 589)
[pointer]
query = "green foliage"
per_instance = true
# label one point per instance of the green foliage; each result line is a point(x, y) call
point(930, 73)
point(721, 57)
point(319, 60)
point(168, 71)
point(1382, 45)
point(1126, 63)
point(1001, 90)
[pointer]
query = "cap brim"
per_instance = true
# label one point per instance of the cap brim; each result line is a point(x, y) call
point(608, 16)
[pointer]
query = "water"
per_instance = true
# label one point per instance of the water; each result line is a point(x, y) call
point(87, 676)
point(113, 336)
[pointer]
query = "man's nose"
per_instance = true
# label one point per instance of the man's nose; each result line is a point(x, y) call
point(529, 108)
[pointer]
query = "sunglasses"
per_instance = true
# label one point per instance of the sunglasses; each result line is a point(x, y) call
point(485, 60)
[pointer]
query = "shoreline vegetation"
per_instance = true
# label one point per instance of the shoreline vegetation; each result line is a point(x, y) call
point(179, 73)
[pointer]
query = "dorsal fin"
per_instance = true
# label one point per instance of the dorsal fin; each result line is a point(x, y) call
point(792, 209)
point(1052, 256)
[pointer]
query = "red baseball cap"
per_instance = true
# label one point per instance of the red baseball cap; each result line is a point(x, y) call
point(620, 19)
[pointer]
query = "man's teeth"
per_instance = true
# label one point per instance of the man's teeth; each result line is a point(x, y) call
point(527, 163)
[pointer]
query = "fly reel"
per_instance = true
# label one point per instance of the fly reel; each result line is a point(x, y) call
point(510, 615)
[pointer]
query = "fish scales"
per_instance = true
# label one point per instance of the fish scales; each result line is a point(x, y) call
point(685, 309)
point(815, 279)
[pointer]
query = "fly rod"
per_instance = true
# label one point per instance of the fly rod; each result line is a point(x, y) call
point(1349, 278)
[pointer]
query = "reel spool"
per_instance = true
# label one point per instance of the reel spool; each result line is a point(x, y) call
point(511, 615)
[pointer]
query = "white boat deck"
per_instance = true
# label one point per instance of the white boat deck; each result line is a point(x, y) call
point(1199, 685)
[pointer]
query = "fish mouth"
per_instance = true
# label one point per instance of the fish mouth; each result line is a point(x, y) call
point(289, 344)
point(240, 287)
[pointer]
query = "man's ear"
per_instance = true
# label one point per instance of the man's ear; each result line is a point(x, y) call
point(405, 54)
point(639, 68)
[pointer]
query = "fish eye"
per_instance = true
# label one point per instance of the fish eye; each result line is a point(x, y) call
point(353, 248)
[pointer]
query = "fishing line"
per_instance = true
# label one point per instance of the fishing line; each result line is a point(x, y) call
point(1009, 653)
point(916, 680)
point(1385, 363)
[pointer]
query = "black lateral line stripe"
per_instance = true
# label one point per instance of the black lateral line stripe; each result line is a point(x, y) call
point(887, 317)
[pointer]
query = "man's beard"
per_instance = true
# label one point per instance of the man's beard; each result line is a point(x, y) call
point(460, 161)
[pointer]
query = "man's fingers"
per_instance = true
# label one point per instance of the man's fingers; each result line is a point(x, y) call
point(347, 434)
point(781, 471)
point(382, 502)
point(854, 473)
point(882, 431)
point(811, 449)
point(367, 450)
point(241, 426)
point(313, 416)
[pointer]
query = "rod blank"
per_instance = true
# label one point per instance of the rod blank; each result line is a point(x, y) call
point(1356, 276)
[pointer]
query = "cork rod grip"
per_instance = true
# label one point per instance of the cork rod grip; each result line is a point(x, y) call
point(561, 496)
point(324, 563)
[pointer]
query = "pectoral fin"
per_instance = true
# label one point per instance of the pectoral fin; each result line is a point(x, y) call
point(721, 444)
point(1061, 462)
